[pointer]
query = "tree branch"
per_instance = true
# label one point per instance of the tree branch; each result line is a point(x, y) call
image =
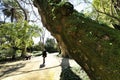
point(104, 12)
point(25, 14)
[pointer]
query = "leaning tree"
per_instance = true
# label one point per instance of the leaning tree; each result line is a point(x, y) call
point(94, 46)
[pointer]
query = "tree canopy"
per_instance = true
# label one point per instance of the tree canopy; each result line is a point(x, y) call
point(107, 11)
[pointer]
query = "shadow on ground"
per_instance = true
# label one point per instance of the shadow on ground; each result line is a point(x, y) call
point(42, 65)
point(15, 67)
point(5, 70)
point(67, 73)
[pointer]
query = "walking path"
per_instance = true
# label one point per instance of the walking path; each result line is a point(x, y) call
point(34, 70)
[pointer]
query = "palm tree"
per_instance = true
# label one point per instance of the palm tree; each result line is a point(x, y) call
point(14, 10)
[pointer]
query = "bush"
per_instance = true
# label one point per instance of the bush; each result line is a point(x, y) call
point(37, 53)
point(51, 45)
point(6, 53)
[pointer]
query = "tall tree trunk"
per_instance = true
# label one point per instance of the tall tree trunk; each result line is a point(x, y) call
point(14, 54)
point(23, 54)
point(13, 57)
point(12, 14)
point(95, 47)
point(62, 47)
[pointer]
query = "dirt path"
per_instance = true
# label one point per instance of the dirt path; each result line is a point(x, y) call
point(34, 70)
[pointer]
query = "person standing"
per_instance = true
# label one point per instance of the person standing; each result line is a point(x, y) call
point(44, 55)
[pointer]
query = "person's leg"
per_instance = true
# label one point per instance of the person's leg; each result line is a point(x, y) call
point(43, 60)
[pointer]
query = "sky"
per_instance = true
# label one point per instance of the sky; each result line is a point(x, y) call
point(1, 7)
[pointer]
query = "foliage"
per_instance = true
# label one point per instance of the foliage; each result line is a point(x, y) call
point(18, 35)
point(37, 53)
point(12, 10)
point(105, 11)
point(6, 53)
point(51, 45)
point(38, 47)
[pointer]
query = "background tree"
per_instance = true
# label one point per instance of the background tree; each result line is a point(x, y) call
point(19, 35)
point(28, 32)
point(107, 11)
point(12, 10)
point(51, 45)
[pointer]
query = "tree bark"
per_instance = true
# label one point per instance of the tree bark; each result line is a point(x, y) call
point(62, 47)
point(12, 14)
point(95, 47)
point(23, 54)
point(24, 50)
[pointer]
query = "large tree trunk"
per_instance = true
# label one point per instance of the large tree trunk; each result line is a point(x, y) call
point(12, 14)
point(24, 51)
point(95, 47)
point(62, 47)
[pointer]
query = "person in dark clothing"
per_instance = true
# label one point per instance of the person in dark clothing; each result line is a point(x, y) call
point(44, 55)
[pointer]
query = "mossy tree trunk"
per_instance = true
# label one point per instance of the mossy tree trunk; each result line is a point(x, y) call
point(62, 47)
point(24, 50)
point(23, 54)
point(95, 47)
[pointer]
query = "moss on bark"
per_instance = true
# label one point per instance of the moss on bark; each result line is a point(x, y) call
point(94, 46)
